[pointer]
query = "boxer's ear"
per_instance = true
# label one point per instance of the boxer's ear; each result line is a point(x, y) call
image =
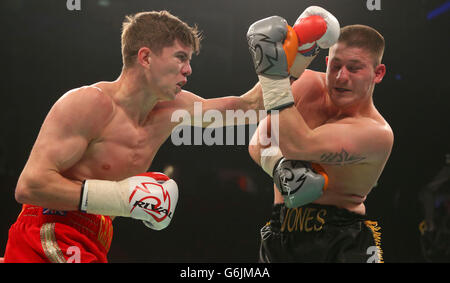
point(144, 56)
point(380, 71)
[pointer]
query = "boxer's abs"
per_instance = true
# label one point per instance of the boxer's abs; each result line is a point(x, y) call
point(117, 156)
point(123, 150)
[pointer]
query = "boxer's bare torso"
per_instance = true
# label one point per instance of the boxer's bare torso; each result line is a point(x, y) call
point(122, 147)
point(108, 131)
point(90, 133)
point(351, 176)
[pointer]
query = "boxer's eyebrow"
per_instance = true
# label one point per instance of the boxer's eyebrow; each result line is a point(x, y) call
point(356, 61)
point(183, 56)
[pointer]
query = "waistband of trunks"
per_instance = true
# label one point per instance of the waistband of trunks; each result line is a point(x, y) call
point(96, 227)
point(331, 214)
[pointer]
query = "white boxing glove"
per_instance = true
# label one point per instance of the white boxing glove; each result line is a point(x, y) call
point(151, 197)
point(316, 29)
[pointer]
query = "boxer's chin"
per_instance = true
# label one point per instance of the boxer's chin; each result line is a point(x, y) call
point(177, 90)
point(171, 94)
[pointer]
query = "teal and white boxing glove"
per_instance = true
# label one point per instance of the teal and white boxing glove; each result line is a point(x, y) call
point(299, 182)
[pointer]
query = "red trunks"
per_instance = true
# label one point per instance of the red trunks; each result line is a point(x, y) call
point(44, 235)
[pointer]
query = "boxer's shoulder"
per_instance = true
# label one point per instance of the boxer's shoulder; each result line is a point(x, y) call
point(374, 135)
point(312, 77)
point(89, 98)
point(184, 100)
point(187, 97)
point(309, 90)
point(310, 83)
point(91, 94)
point(87, 106)
point(379, 126)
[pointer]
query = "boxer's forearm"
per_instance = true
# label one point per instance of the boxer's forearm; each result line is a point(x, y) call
point(232, 111)
point(265, 156)
point(235, 110)
point(294, 135)
point(335, 143)
point(48, 189)
point(253, 98)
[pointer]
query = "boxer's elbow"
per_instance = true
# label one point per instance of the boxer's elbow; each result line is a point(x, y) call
point(297, 145)
point(24, 191)
point(254, 152)
point(254, 148)
point(29, 189)
point(291, 150)
point(288, 149)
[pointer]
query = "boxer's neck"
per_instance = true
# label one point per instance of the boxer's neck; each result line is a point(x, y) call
point(133, 96)
point(360, 108)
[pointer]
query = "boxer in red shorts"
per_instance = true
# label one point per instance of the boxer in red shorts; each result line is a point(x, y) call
point(44, 235)
point(97, 138)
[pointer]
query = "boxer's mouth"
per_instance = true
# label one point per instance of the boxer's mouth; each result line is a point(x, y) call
point(341, 89)
point(182, 83)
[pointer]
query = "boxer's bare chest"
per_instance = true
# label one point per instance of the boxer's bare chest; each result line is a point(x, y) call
point(123, 149)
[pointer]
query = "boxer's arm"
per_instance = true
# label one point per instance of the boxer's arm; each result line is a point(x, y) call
point(263, 149)
point(251, 100)
point(349, 141)
point(70, 125)
point(346, 142)
point(195, 107)
point(299, 182)
point(308, 86)
point(254, 148)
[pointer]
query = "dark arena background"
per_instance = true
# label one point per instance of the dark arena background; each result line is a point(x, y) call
point(225, 198)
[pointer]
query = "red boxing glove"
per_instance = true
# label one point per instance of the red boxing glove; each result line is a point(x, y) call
point(310, 29)
point(316, 27)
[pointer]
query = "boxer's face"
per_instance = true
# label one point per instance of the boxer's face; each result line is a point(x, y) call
point(169, 70)
point(351, 74)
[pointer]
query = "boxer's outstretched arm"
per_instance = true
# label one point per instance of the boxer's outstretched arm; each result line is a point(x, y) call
point(197, 106)
point(71, 124)
point(251, 100)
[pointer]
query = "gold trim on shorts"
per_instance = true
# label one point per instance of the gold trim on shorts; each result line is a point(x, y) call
point(373, 226)
point(49, 244)
point(105, 231)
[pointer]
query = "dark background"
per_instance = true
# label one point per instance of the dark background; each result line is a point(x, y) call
point(224, 197)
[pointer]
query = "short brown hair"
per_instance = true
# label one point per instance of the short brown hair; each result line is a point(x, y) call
point(363, 37)
point(155, 30)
